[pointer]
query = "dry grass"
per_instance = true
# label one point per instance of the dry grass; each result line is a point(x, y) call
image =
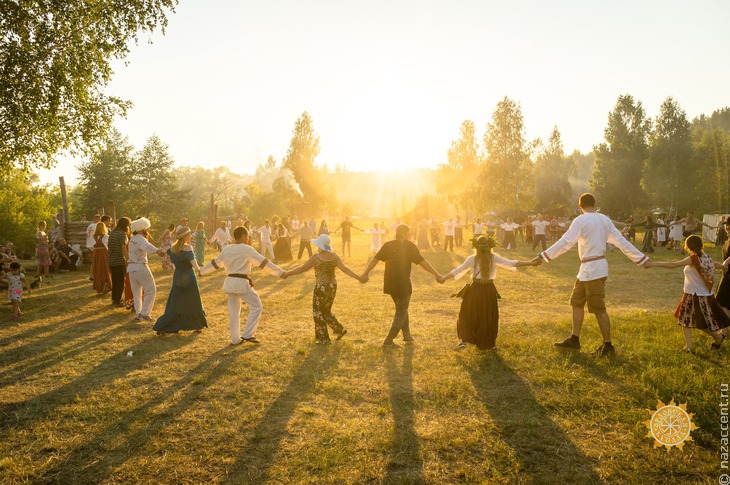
point(189, 408)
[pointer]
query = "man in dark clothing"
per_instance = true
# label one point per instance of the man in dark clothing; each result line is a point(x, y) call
point(398, 255)
point(69, 256)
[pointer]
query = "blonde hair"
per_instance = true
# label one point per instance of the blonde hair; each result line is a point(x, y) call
point(180, 242)
point(100, 229)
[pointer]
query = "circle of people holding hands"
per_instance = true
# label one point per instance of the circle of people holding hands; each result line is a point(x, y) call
point(120, 265)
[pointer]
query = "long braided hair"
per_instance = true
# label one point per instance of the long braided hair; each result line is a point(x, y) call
point(483, 255)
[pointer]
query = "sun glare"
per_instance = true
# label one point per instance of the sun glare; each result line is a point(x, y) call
point(383, 127)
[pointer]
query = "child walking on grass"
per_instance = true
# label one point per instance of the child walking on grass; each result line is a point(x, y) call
point(16, 282)
point(324, 263)
point(698, 307)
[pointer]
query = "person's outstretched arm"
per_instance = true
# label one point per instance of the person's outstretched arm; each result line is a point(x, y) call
point(349, 272)
point(670, 264)
point(617, 239)
point(309, 264)
point(373, 262)
point(427, 266)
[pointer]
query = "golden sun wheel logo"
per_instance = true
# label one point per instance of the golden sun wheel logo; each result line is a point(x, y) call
point(670, 425)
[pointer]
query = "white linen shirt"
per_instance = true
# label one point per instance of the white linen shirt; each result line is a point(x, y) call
point(468, 265)
point(238, 259)
point(449, 228)
point(265, 232)
point(139, 248)
point(90, 235)
point(592, 231)
point(509, 227)
point(540, 227)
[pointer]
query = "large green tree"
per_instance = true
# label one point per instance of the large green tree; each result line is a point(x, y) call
point(105, 175)
point(457, 177)
point(153, 184)
point(300, 159)
point(552, 171)
point(139, 183)
point(54, 66)
point(507, 179)
point(712, 162)
point(620, 159)
point(23, 203)
point(669, 178)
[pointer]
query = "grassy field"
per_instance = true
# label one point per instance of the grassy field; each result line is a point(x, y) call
point(190, 408)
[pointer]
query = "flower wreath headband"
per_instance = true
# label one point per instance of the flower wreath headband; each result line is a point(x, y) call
point(490, 242)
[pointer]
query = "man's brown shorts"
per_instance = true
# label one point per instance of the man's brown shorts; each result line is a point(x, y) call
point(592, 292)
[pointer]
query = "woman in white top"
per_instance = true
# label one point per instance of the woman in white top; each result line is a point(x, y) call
point(478, 321)
point(698, 307)
point(675, 233)
point(377, 234)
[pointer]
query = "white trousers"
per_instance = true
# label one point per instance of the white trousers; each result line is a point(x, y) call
point(141, 282)
point(234, 312)
point(266, 246)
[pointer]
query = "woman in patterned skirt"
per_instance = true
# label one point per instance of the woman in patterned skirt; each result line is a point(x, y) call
point(165, 242)
point(698, 307)
point(325, 288)
point(42, 253)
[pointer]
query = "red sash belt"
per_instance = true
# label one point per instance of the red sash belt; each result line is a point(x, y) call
point(594, 258)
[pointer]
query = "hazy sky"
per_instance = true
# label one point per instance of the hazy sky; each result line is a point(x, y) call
point(388, 83)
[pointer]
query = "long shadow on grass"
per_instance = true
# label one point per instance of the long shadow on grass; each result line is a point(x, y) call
point(98, 458)
point(44, 355)
point(55, 327)
point(255, 460)
point(406, 464)
point(545, 453)
point(38, 408)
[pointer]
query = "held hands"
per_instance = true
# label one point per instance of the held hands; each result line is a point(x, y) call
point(440, 279)
point(284, 275)
point(536, 261)
point(649, 264)
point(364, 278)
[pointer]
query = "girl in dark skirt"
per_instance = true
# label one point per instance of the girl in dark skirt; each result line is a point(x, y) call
point(698, 307)
point(478, 321)
point(723, 290)
point(325, 288)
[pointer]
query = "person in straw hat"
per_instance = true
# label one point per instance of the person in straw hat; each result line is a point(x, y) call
point(325, 288)
point(140, 277)
point(184, 309)
point(237, 259)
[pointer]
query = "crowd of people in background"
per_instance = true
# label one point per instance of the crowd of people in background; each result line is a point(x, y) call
point(120, 266)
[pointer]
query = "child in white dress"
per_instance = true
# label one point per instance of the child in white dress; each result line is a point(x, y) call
point(16, 282)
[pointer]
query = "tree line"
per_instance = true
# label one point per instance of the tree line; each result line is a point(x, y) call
point(670, 164)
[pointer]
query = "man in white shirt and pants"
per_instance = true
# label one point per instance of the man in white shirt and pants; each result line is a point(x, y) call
point(539, 236)
point(237, 260)
point(140, 276)
point(265, 232)
point(591, 231)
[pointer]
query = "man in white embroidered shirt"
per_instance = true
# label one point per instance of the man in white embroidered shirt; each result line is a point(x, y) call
point(237, 260)
point(591, 231)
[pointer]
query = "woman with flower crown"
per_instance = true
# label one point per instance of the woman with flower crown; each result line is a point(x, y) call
point(478, 321)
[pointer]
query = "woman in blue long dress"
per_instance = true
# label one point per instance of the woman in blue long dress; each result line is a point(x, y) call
point(184, 309)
